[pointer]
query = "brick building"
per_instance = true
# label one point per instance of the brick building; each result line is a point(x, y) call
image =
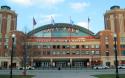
point(62, 44)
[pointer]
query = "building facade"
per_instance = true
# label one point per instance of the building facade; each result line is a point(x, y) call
point(115, 22)
point(8, 25)
point(63, 45)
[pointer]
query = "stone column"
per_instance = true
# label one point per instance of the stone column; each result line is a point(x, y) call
point(70, 62)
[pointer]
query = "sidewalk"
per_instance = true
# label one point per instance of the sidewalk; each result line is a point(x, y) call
point(64, 74)
point(85, 76)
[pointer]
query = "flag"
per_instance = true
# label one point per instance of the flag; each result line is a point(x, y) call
point(71, 21)
point(88, 19)
point(52, 21)
point(88, 22)
point(34, 21)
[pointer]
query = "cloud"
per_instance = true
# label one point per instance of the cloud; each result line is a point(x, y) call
point(51, 2)
point(22, 2)
point(37, 2)
point(79, 5)
point(83, 24)
point(53, 15)
point(46, 18)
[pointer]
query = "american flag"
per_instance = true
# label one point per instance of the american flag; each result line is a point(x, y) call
point(34, 21)
point(52, 21)
point(71, 21)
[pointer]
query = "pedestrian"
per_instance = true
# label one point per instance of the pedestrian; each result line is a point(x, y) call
point(59, 68)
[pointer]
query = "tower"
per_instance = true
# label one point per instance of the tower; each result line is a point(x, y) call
point(114, 20)
point(8, 23)
point(8, 20)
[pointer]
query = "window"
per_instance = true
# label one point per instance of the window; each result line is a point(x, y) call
point(48, 52)
point(54, 46)
point(73, 46)
point(123, 52)
point(96, 46)
point(77, 52)
point(77, 46)
point(44, 46)
point(107, 53)
point(64, 52)
point(83, 46)
point(54, 53)
point(106, 38)
point(48, 46)
point(58, 52)
point(58, 46)
point(6, 46)
point(63, 46)
point(122, 46)
point(107, 46)
point(92, 46)
point(39, 46)
point(92, 52)
point(122, 39)
point(73, 52)
point(7, 40)
point(87, 52)
point(96, 52)
point(67, 52)
point(82, 52)
point(66, 46)
point(86, 46)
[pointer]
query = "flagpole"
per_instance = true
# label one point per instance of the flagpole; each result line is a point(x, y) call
point(51, 50)
point(70, 34)
point(33, 27)
point(33, 23)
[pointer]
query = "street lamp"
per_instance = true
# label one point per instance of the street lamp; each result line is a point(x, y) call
point(11, 66)
point(116, 59)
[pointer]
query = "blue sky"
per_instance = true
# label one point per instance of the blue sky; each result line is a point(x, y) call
point(61, 10)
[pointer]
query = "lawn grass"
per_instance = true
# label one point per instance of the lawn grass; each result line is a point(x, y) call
point(16, 76)
point(109, 76)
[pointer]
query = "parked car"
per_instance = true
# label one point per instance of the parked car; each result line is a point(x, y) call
point(122, 66)
point(101, 67)
point(27, 67)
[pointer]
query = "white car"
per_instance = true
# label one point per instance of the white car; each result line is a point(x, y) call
point(122, 66)
point(27, 67)
point(101, 67)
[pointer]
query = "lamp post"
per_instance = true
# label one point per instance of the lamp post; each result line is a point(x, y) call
point(11, 66)
point(116, 59)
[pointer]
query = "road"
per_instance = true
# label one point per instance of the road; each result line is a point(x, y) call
point(84, 73)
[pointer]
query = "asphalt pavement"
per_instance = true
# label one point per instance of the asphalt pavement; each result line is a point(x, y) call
point(84, 73)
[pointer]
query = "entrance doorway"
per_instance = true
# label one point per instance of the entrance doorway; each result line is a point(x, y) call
point(63, 63)
point(42, 63)
point(108, 64)
point(80, 63)
point(4, 64)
